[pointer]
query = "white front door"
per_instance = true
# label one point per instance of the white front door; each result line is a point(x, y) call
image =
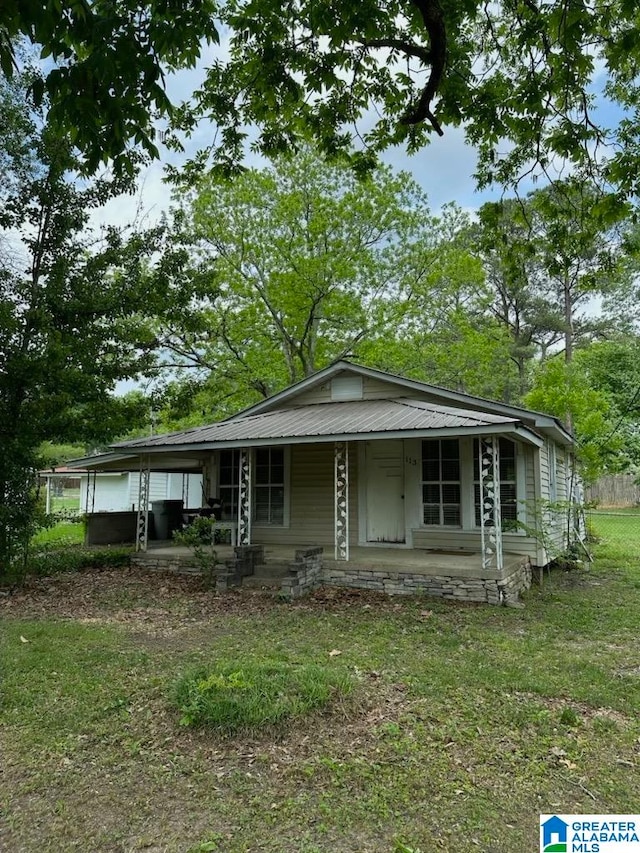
point(384, 462)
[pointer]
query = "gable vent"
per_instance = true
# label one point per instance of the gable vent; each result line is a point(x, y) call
point(346, 388)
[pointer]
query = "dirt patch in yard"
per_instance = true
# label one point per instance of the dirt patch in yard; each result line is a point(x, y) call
point(163, 603)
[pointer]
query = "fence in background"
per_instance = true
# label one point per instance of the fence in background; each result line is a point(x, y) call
point(615, 490)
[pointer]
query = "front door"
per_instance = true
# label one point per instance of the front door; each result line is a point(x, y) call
point(385, 490)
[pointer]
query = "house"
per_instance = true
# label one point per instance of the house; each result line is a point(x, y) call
point(118, 491)
point(405, 486)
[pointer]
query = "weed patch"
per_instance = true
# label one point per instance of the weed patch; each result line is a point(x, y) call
point(254, 695)
point(53, 559)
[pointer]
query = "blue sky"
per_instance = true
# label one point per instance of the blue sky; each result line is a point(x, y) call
point(444, 168)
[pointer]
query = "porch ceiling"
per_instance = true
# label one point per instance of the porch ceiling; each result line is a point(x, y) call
point(185, 461)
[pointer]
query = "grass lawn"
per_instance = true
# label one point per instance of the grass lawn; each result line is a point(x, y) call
point(63, 533)
point(462, 725)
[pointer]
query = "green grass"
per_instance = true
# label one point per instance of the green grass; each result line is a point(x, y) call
point(253, 695)
point(64, 533)
point(617, 526)
point(458, 724)
point(69, 501)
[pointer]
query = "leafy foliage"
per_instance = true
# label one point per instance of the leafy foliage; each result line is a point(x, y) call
point(61, 557)
point(253, 694)
point(523, 79)
point(109, 64)
point(68, 316)
point(295, 265)
point(200, 537)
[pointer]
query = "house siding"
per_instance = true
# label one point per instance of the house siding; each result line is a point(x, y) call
point(372, 389)
point(455, 538)
point(312, 499)
point(312, 505)
point(554, 521)
point(111, 493)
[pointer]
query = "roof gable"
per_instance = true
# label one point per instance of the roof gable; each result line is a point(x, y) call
point(299, 394)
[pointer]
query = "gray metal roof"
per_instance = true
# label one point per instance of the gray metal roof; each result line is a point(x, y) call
point(537, 420)
point(353, 418)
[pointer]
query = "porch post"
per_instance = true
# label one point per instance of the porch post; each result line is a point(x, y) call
point(244, 496)
point(93, 491)
point(490, 514)
point(341, 459)
point(142, 525)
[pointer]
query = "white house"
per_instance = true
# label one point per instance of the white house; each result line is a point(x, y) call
point(353, 459)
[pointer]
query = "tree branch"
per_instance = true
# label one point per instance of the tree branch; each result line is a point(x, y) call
point(433, 19)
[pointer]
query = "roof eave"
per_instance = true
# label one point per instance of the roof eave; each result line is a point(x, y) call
point(274, 441)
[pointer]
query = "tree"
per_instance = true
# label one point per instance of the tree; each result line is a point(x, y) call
point(580, 252)
point(520, 77)
point(297, 264)
point(68, 316)
point(612, 368)
point(440, 330)
point(548, 258)
point(109, 65)
point(521, 300)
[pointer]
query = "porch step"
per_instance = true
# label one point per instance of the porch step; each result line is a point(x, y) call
point(268, 575)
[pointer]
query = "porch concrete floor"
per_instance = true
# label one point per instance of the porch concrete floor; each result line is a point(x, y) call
point(278, 557)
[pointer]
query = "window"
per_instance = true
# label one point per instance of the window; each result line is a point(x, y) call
point(508, 482)
point(441, 482)
point(229, 483)
point(269, 486)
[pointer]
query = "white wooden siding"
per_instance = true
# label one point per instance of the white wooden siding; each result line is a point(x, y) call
point(111, 493)
point(469, 540)
point(372, 389)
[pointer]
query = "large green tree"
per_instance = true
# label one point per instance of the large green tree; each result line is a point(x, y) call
point(69, 304)
point(598, 392)
point(521, 77)
point(294, 266)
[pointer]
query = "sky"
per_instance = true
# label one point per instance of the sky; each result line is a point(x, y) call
point(444, 169)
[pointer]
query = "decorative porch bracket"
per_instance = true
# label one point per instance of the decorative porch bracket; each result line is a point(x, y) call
point(142, 523)
point(341, 457)
point(490, 514)
point(244, 496)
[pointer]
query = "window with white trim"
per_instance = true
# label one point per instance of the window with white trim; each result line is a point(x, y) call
point(269, 488)
point(229, 477)
point(508, 481)
point(441, 482)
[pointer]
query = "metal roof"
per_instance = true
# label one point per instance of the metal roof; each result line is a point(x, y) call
point(352, 418)
point(538, 420)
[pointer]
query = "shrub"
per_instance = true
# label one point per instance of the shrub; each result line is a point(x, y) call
point(52, 560)
point(250, 695)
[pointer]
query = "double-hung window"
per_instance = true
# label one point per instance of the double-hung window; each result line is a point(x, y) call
point(508, 481)
point(268, 486)
point(441, 482)
point(268, 506)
